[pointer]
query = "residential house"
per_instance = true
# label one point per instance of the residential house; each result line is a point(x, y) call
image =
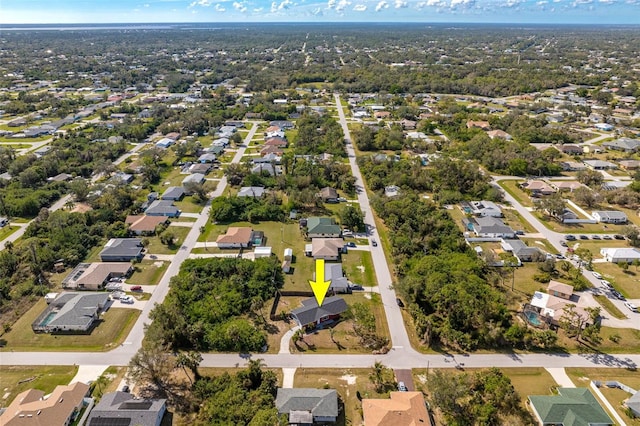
point(605, 127)
point(274, 133)
point(165, 143)
point(491, 227)
point(565, 185)
point(122, 178)
point(381, 115)
point(328, 195)
point(279, 142)
point(633, 404)
point(207, 158)
point(62, 177)
point(485, 208)
point(322, 227)
point(521, 251)
point(283, 124)
point(173, 193)
point(266, 168)
point(484, 125)
point(408, 124)
point(271, 149)
point(537, 187)
point(609, 216)
point(306, 406)
point(235, 237)
point(572, 166)
point(123, 408)
point(391, 191)
point(623, 144)
point(143, 224)
point(570, 149)
point(94, 276)
point(592, 149)
point(599, 164)
point(561, 290)
point(629, 164)
point(571, 406)
point(401, 409)
point(251, 191)
point(615, 184)
point(193, 178)
point(163, 208)
point(271, 158)
point(325, 248)
point(71, 312)
point(551, 308)
point(311, 315)
point(33, 408)
point(122, 250)
point(500, 134)
point(202, 168)
point(333, 272)
point(620, 254)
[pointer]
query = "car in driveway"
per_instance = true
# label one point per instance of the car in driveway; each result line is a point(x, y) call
point(402, 387)
point(136, 288)
point(597, 275)
point(127, 299)
point(351, 244)
point(631, 306)
point(374, 243)
point(563, 243)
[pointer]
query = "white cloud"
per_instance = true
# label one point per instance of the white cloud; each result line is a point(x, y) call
point(542, 2)
point(285, 4)
point(331, 4)
point(359, 8)
point(607, 1)
point(382, 5)
point(220, 8)
point(317, 12)
point(258, 9)
point(456, 3)
point(342, 5)
point(400, 4)
point(240, 7)
point(512, 3)
point(203, 3)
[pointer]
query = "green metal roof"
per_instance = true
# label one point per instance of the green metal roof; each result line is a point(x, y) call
point(572, 407)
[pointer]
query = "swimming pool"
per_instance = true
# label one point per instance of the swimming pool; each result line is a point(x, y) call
point(533, 318)
point(48, 319)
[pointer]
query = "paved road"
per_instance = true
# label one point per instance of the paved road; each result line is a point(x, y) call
point(554, 239)
point(399, 337)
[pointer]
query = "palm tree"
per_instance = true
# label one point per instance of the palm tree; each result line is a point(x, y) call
point(100, 382)
point(190, 360)
point(377, 376)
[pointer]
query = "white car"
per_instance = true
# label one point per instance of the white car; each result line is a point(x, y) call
point(631, 306)
point(126, 299)
point(606, 283)
point(597, 275)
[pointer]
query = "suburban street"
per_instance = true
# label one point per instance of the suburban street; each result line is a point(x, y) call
point(554, 238)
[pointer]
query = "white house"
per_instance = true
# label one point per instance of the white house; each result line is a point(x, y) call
point(617, 255)
point(610, 216)
point(485, 208)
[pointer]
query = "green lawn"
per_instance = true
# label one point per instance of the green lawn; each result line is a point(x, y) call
point(511, 186)
point(7, 230)
point(42, 377)
point(188, 205)
point(513, 219)
point(148, 272)
point(16, 145)
point(626, 282)
point(577, 228)
point(530, 381)
point(609, 306)
point(156, 247)
point(111, 330)
point(582, 377)
point(358, 266)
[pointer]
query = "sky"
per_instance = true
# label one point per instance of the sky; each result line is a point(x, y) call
point(472, 11)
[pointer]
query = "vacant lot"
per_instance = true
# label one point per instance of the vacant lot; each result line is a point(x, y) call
point(42, 377)
point(111, 330)
point(148, 272)
point(156, 247)
point(626, 282)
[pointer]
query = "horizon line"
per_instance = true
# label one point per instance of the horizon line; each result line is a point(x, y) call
point(597, 24)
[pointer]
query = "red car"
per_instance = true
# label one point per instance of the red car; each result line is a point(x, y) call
point(136, 288)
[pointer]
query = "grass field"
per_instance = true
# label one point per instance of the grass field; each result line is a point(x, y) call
point(111, 330)
point(42, 377)
point(626, 282)
point(582, 377)
point(148, 272)
point(511, 186)
point(188, 205)
point(609, 307)
point(156, 247)
point(7, 230)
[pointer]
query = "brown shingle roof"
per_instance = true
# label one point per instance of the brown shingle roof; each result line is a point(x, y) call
point(143, 223)
point(235, 235)
point(402, 409)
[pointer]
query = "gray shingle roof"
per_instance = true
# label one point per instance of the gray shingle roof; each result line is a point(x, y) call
point(310, 311)
point(320, 402)
point(122, 406)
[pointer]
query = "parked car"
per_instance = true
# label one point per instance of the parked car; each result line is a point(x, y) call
point(113, 287)
point(125, 388)
point(606, 283)
point(618, 237)
point(563, 243)
point(618, 295)
point(136, 288)
point(595, 237)
point(402, 387)
point(351, 244)
point(117, 295)
point(597, 275)
point(584, 237)
point(559, 256)
point(519, 232)
point(399, 302)
point(606, 237)
point(631, 306)
point(126, 299)
point(570, 238)
point(374, 243)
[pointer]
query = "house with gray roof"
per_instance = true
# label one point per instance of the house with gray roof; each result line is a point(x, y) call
point(174, 193)
point(312, 315)
point(251, 191)
point(599, 164)
point(193, 178)
point(491, 227)
point(124, 409)
point(623, 144)
point(609, 216)
point(333, 272)
point(122, 250)
point(162, 208)
point(571, 407)
point(71, 312)
point(521, 251)
point(306, 406)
